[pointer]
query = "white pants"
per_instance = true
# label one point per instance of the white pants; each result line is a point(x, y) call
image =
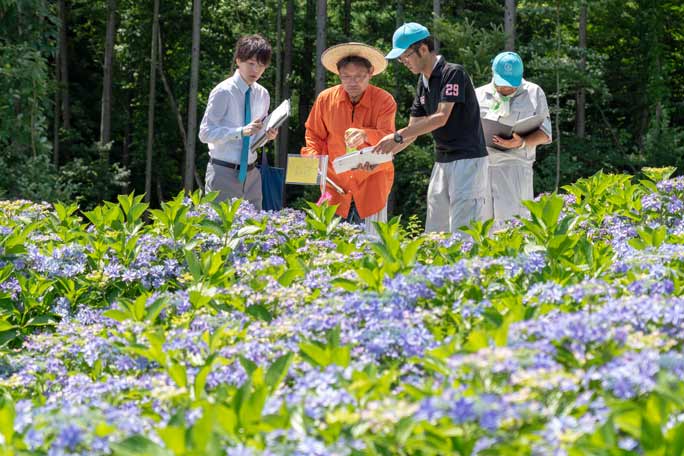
point(377, 217)
point(457, 194)
point(511, 183)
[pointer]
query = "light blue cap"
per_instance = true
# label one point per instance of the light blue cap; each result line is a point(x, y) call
point(405, 36)
point(508, 69)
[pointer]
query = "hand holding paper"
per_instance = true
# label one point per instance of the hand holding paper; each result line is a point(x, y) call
point(359, 158)
point(252, 128)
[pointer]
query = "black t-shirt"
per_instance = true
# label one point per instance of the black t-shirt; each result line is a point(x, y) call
point(462, 135)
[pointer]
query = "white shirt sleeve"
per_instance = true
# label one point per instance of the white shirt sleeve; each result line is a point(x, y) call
point(211, 130)
point(543, 108)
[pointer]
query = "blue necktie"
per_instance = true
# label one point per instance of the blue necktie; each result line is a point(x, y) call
point(245, 139)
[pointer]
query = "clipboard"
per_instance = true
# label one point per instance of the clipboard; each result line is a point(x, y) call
point(306, 169)
point(505, 130)
point(274, 120)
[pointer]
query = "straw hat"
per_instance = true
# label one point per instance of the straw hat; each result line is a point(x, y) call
point(334, 54)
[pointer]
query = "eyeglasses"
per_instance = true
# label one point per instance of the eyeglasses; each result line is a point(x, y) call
point(354, 78)
point(402, 58)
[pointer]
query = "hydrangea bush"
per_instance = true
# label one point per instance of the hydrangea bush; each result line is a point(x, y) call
point(215, 329)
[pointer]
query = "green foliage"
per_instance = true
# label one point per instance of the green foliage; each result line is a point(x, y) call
point(321, 218)
point(323, 354)
point(472, 46)
point(631, 73)
point(412, 169)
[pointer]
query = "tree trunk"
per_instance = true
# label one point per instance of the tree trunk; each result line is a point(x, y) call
point(64, 66)
point(397, 76)
point(460, 8)
point(106, 113)
point(56, 113)
point(191, 139)
point(287, 70)
point(151, 97)
point(558, 93)
point(509, 24)
point(347, 20)
point(581, 93)
point(392, 199)
point(169, 93)
point(436, 13)
point(321, 22)
point(305, 98)
point(125, 145)
point(278, 71)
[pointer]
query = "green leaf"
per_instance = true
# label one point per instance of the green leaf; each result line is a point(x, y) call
point(138, 445)
point(290, 275)
point(155, 309)
point(477, 340)
point(675, 445)
point(173, 438)
point(6, 325)
point(41, 320)
point(314, 354)
point(651, 436)
point(277, 371)
point(201, 377)
point(345, 284)
point(203, 430)
point(248, 365)
point(7, 414)
point(259, 311)
point(178, 373)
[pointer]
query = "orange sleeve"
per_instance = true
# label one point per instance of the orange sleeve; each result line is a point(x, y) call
point(316, 132)
point(385, 123)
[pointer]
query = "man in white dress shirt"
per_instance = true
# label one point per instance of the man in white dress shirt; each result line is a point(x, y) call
point(510, 97)
point(235, 111)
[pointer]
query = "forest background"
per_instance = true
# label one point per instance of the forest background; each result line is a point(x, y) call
point(101, 97)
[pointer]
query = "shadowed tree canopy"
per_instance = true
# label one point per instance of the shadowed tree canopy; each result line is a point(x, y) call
point(83, 75)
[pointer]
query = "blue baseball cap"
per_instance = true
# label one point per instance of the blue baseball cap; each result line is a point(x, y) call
point(508, 69)
point(405, 36)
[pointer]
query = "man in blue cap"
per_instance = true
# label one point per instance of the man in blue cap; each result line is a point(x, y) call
point(509, 98)
point(446, 106)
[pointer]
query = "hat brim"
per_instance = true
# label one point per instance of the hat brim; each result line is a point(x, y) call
point(500, 81)
point(334, 54)
point(395, 53)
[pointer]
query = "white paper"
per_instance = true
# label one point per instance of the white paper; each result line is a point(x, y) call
point(274, 120)
point(352, 160)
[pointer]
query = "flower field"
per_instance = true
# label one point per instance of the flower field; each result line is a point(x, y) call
point(205, 329)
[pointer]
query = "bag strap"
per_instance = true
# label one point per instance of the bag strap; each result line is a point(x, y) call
point(264, 157)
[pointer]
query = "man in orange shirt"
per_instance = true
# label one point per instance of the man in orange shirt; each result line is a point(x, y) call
point(354, 115)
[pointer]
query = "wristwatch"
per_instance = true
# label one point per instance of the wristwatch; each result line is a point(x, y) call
point(398, 138)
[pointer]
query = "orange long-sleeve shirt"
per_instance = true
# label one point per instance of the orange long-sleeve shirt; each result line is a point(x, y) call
point(331, 115)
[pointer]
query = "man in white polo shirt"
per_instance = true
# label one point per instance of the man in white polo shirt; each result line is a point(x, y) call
point(510, 97)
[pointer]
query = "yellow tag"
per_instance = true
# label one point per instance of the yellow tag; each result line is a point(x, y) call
point(302, 170)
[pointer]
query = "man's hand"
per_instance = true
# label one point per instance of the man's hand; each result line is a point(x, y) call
point(365, 167)
point(354, 137)
point(271, 134)
point(252, 128)
point(387, 145)
point(513, 143)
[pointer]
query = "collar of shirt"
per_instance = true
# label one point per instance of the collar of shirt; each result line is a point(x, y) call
point(239, 82)
point(343, 97)
point(490, 89)
point(426, 83)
